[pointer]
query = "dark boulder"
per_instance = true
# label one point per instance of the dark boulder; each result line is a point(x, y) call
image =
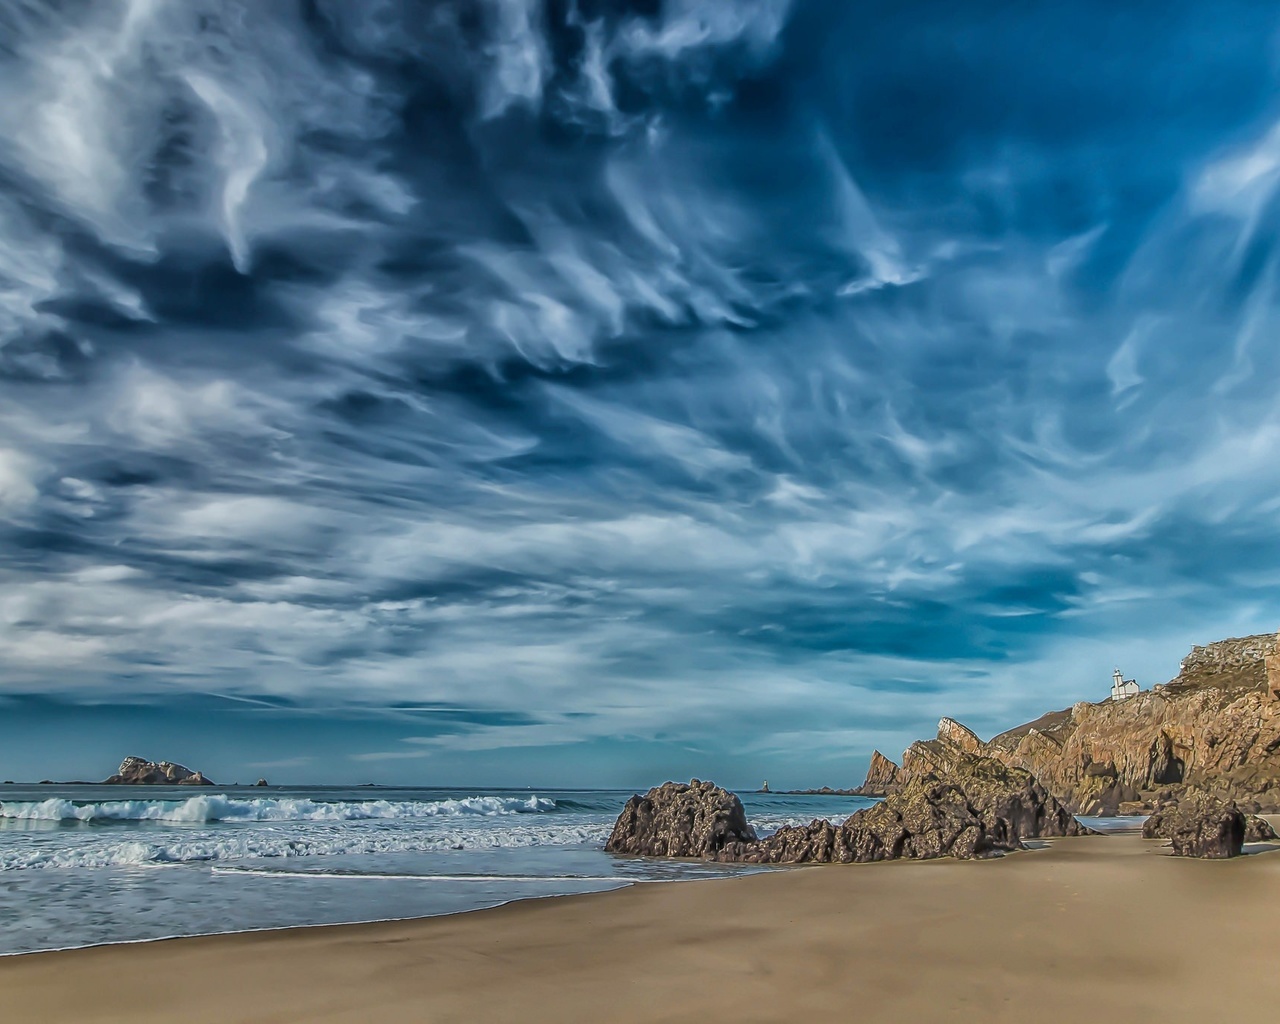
point(675, 820)
point(1199, 826)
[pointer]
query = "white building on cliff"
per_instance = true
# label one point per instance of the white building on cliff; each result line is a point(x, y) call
point(1122, 687)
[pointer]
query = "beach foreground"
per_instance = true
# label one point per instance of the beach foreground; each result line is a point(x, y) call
point(1091, 929)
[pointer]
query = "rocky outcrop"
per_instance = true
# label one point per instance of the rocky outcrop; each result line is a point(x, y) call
point(675, 820)
point(882, 777)
point(1199, 826)
point(1216, 727)
point(1012, 805)
point(1240, 662)
point(261, 783)
point(136, 771)
point(983, 807)
point(924, 820)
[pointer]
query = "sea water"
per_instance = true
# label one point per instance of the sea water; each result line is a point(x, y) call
point(83, 865)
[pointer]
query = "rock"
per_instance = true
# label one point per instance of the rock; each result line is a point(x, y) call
point(675, 820)
point(1258, 830)
point(261, 782)
point(792, 844)
point(926, 819)
point(1012, 805)
point(951, 731)
point(981, 808)
point(1199, 826)
point(135, 771)
point(764, 787)
point(882, 776)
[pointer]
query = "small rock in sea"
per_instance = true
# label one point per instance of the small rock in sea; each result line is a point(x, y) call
point(261, 782)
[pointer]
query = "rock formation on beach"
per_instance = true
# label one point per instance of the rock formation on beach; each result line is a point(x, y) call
point(926, 819)
point(136, 771)
point(1199, 826)
point(1216, 727)
point(675, 820)
point(981, 808)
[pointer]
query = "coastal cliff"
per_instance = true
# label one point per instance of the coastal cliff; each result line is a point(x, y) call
point(1214, 728)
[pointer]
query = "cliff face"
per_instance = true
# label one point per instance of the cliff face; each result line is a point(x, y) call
point(1216, 727)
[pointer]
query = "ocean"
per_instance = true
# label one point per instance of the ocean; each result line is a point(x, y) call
point(85, 865)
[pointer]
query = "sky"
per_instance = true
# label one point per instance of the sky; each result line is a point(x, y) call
point(539, 392)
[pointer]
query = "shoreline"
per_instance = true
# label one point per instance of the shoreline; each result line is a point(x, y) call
point(1088, 928)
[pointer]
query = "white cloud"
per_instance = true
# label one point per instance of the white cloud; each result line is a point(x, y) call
point(17, 487)
point(519, 63)
point(241, 154)
point(158, 411)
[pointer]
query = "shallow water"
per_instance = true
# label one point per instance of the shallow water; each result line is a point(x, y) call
point(81, 865)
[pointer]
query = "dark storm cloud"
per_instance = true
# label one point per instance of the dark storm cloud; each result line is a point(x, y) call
point(703, 369)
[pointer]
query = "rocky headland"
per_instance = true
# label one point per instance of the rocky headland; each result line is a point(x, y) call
point(137, 771)
point(1214, 729)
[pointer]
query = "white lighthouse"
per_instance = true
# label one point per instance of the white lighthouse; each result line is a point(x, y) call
point(1122, 687)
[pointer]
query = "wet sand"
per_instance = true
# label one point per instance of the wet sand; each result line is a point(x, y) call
point(1094, 929)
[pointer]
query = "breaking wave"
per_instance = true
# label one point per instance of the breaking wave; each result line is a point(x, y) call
point(204, 809)
point(227, 846)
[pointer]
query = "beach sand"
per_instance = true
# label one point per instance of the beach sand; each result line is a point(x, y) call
point(1105, 928)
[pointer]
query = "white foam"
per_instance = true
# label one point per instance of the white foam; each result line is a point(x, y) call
point(392, 877)
point(204, 846)
point(200, 809)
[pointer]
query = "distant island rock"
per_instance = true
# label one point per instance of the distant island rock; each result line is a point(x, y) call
point(137, 771)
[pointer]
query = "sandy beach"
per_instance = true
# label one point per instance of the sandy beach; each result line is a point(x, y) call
point(1099, 928)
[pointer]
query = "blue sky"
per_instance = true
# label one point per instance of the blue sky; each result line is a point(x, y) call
point(507, 391)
